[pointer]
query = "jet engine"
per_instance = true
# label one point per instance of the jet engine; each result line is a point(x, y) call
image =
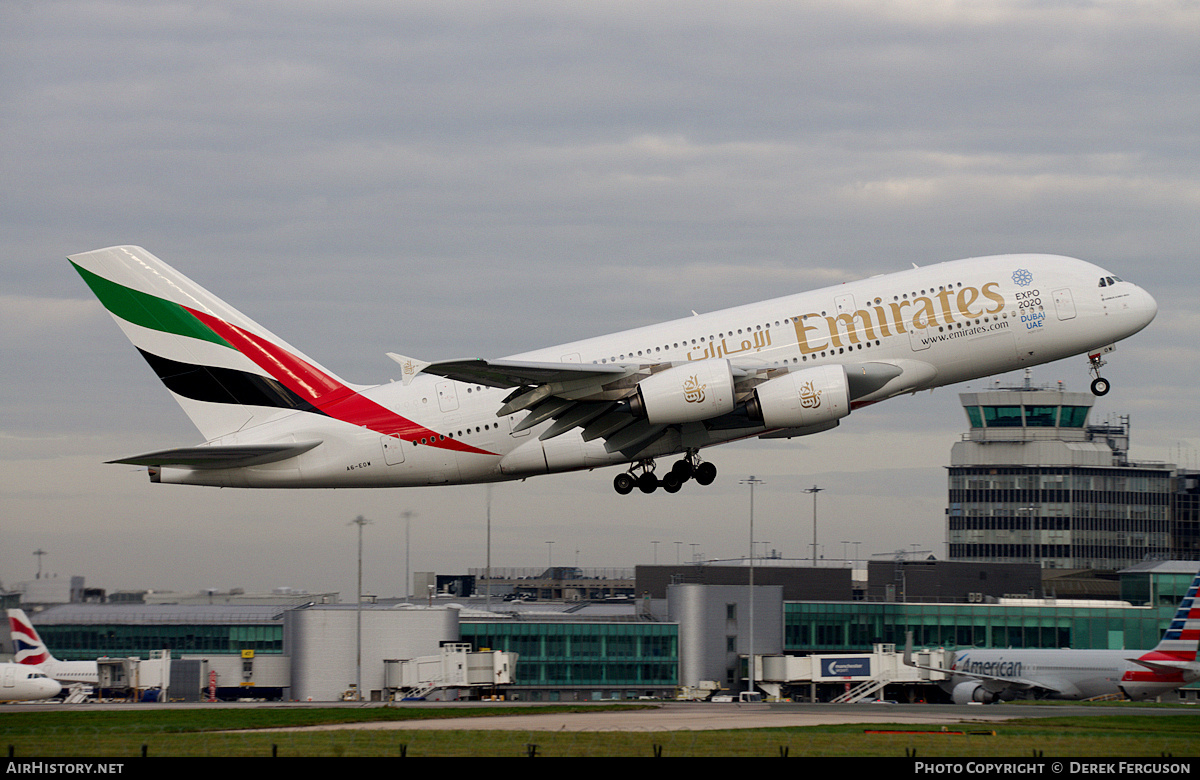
point(688, 393)
point(800, 399)
point(971, 692)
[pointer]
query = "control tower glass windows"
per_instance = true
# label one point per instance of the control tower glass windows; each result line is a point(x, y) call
point(1041, 416)
point(1002, 416)
point(1073, 416)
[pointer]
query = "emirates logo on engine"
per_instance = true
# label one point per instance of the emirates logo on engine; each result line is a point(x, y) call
point(693, 391)
point(810, 397)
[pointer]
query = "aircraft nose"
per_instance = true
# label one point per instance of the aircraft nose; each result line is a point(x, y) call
point(1145, 306)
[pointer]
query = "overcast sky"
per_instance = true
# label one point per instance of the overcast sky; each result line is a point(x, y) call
point(448, 179)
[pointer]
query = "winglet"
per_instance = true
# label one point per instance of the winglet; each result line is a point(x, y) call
point(411, 367)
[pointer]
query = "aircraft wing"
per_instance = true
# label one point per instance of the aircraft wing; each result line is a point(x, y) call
point(990, 682)
point(514, 373)
point(573, 395)
point(995, 684)
point(220, 456)
point(595, 397)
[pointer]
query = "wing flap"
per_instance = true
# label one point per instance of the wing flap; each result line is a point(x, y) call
point(514, 373)
point(230, 456)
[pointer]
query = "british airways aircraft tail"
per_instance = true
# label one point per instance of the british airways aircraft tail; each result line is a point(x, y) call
point(28, 647)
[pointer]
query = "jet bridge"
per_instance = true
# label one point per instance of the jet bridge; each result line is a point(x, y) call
point(448, 673)
point(841, 678)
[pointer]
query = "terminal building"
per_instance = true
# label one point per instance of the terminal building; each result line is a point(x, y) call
point(1055, 539)
point(699, 634)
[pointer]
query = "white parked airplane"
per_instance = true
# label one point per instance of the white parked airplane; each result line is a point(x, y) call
point(989, 676)
point(19, 682)
point(31, 651)
point(273, 417)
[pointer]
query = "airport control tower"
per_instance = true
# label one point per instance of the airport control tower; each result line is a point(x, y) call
point(1034, 481)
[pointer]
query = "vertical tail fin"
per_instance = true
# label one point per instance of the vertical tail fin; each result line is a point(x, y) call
point(1182, 637)
point(224, 369)
point(28, 647)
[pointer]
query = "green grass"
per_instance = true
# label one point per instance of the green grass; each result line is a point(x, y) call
point(222, 732)
point(191, 720)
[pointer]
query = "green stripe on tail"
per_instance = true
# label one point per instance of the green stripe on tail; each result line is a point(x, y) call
point(147, 310)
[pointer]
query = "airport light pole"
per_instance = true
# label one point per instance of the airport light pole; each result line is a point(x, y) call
point(752, 482)
point(488, 561)
point(360, 521)
point(408, 516)
point(814, 490)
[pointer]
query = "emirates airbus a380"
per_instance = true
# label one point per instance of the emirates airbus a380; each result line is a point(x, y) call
point(273, 417)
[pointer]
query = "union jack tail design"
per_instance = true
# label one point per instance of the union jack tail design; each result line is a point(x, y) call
point(28, 647)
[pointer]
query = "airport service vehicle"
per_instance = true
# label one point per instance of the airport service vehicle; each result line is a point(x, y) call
point(29, 650)
point(19, 682)
point(273, 417)
point(990, 676)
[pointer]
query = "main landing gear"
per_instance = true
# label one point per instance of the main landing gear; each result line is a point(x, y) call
point(688, 467)
point(1100, 385)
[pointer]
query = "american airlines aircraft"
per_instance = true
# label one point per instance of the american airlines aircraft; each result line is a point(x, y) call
point(989, 676)
point(19, 682)
point(32, 652)
point(273, 417)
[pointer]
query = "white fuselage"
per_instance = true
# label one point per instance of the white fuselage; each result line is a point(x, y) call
point(1066, 674)
point(19, 682)
point(69, 672)
point(942, 324)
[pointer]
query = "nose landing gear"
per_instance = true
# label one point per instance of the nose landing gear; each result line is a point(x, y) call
point(1100, 385)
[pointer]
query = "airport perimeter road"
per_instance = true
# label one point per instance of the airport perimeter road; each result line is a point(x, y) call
point(674, 716)
point(684, 716)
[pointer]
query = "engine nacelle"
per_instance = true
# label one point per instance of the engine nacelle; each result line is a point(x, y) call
point(801, 399)
point(688, 393)
point(971, 692)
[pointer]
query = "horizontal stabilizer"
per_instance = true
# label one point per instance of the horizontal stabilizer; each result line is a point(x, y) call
point(230, 456)
point(1167, 667)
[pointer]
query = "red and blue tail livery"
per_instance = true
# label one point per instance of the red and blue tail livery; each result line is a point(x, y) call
point(989, 676)
point(27, 645)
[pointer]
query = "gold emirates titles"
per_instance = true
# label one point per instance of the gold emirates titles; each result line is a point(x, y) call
point(967, 303)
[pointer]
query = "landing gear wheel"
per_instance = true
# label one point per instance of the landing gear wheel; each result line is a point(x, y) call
point(672, 483)
point(623, 483)
point(647, 483)
point(683, 469)
point(706, 473)
point(1095, 363)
